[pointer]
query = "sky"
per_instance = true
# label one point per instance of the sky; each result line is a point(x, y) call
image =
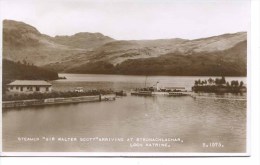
point(132, 19)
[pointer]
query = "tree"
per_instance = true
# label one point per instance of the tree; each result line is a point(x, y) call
point(25, 62)
point(196, 83)
point(241, 83)
point(210, 81)
point(199, 82)
point(217, 81)
point(227, 83)
point(234, 83)
point(222, 80)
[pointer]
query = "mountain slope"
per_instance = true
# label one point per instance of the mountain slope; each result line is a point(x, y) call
point(96, 53)
point(231, 62)
point(119, 51)
point(83, 40)
point(24, 42)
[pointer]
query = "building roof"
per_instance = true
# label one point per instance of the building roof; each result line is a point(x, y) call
point(30, 82)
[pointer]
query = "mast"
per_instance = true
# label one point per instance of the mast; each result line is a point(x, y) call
point(145, 81)
point(157, 86)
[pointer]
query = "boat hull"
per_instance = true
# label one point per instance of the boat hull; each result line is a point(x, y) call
point(141, 93)
point(146, 93)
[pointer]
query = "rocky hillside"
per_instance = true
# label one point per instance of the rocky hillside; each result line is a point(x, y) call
point(97, 53)
point(24, 42)
point(83, 40)
point(120, 51)
point(230, 62)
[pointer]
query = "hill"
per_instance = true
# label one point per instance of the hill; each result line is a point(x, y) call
point(24, 42)
point(24, 71)
point(231, 62)
point(83, 40)
point(96, 53)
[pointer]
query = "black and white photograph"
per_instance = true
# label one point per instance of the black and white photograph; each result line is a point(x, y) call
point(125, 77)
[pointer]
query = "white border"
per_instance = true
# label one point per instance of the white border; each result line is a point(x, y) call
point(249, 80)
point(1, 49)
point(123, 154)
point(253, 119)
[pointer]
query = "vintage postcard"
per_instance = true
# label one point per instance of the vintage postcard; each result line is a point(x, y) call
point(125, 78)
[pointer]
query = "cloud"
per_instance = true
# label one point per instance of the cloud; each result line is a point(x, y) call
point(127, 19)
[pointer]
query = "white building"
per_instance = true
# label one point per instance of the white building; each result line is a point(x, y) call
point(29, 86)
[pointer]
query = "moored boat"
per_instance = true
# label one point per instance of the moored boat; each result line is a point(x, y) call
point(179, 94)
point(167, 91)
point(142, 93)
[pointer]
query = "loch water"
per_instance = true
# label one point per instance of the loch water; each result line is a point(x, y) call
point(207, 119)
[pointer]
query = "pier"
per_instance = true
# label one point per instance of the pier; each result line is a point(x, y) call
point(53, 101)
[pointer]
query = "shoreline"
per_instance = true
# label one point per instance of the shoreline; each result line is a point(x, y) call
point(54, 101)
point(110, 74)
